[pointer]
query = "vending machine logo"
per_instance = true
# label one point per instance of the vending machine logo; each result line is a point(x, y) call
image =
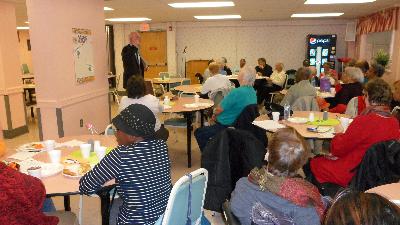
point(314, 41)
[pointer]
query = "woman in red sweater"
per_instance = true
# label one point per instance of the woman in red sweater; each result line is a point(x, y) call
point(375, 124)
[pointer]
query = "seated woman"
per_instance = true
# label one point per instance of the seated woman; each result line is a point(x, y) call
point(136, 90)
point(375, 124)
point(329, 73)
point(265, 70)
point(362, 208)
point(230, 107)
point(374, 71)
point(277, 79)
point(278, 185)
point(216, 82)
point(22, 197)
point(352, 87)
point(139, 164)
point(302, 87)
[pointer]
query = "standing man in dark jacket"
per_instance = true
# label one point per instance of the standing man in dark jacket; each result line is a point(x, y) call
point(133, 63)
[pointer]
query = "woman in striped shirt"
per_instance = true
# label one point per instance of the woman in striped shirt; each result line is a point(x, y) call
point(140, 166)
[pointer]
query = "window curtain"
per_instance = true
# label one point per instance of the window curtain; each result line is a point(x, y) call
point(385, 20)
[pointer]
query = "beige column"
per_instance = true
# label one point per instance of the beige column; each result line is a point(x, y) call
point(395, 65)
point(12, 108)
point(64, 106)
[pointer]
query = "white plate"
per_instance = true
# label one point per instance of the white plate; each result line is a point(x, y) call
point(29, 147)
point(298, 120)
point(194, 105)
point(48, 169)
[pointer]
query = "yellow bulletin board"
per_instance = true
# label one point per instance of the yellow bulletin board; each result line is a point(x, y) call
point(83, 55)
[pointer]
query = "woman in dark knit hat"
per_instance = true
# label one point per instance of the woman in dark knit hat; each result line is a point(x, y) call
point(139, 164)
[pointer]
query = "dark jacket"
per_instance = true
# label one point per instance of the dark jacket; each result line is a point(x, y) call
point(131, 64)
point(228, 156)
point(245, 122)
point(380, 165)
point(266, 71)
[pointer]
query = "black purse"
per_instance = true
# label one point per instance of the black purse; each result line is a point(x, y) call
point(273, 107)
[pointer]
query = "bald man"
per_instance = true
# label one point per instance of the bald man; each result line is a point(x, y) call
point(134, 65)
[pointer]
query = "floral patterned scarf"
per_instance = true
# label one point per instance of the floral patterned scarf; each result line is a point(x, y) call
point(296, 190)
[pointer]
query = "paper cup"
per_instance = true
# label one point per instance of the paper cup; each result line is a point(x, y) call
point(50, 144)
point(35, 172)
point(344, 122)
point(96, 144)
point(101, 152)
point(55, 156)
point(275, 116)
point(85, 150)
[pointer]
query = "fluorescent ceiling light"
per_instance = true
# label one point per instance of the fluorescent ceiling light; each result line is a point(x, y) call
point(316, 14)
point(22, 28)
point(320, 2)
point(201, 4)
point(218, 17)
point(138, 19)
point(108, 8)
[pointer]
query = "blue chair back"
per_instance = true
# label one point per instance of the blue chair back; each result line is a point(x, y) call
point(186, 82)
point(177, 208)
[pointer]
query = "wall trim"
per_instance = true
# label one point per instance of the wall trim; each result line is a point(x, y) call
point(11, 133)
point(12, 90)
point(73, 100)
point(39, 116)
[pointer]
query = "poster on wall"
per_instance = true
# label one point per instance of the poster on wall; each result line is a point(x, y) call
point(83, 55)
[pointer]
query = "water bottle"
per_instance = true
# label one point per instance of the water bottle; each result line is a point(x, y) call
point(313, 83)
point(286, 111)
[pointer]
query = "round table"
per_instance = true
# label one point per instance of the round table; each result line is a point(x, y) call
point(168, 81)
point(389, 191)
point(59, 184)
point(301, 128)
point(178, 106)
point(193, 88)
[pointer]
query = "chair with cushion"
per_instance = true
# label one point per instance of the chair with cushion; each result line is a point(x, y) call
point(25, 69)
point(114, 90)
point(163, 75)
point(186, 200)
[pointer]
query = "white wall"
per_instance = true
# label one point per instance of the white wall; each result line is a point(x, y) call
point(277, 41)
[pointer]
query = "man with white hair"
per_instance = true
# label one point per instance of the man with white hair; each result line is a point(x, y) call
point(230, 107)
point(134, 65)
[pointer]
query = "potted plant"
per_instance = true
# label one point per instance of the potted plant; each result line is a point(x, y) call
point(382, 58)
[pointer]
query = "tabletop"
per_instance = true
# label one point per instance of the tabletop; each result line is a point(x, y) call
point(59, 184)
point(193, 88)
point(235, 77)
point(169, 80)
point(389, 191)
point(187, 104)
point(28, 86)
point(28, 76)
point(302, 127)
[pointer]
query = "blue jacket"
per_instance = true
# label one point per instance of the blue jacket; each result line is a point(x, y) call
point(247, 194)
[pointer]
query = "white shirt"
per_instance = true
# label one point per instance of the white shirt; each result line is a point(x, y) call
point(278, 78)
point(217, 81)
point(150, 101)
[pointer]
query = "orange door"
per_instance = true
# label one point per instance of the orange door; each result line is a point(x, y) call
point(153, 47)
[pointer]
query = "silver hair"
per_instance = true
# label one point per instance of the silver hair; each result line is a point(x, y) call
point(249, 75)
point(355, 73)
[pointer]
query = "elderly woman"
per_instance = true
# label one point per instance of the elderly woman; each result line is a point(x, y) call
point(301, 88)
point(136, 95)
point(278, 185)
point(375, 124)
point(278, 78)
point(230, 107)
point(140, 164)
point(352, 207)
point(352, 79)
point(206, 73)
point(374, 71)
point(329, 72)
point(216, 82)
